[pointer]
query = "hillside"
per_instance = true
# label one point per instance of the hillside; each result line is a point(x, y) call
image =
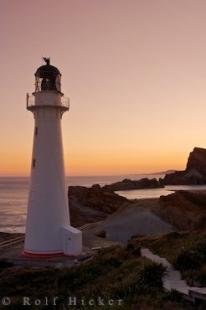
point(116, 275)
point(183, 209)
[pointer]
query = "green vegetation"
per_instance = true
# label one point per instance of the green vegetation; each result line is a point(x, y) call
point(115, 273)
point(5, 264)
point(184, 250)
point(192, 263)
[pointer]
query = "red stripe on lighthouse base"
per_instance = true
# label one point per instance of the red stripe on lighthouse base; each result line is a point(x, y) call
point(42, 255)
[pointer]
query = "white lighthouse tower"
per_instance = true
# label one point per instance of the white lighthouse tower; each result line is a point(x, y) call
point(48, 230)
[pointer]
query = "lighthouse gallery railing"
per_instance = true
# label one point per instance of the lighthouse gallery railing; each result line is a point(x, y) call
point(30, 102)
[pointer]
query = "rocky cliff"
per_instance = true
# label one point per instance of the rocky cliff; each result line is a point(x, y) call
point(92, 204)
point(197, 160)
point(128, 184)
point(195, 172)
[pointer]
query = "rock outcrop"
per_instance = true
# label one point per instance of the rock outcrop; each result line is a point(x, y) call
point(128, 184)
point(195, 172)
point(92, 204)
point(186, 177)
point(197, 160)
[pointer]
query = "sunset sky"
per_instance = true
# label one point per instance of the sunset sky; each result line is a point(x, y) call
point(135, 72)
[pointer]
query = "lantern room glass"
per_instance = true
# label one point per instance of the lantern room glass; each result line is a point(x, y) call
point(48, 83)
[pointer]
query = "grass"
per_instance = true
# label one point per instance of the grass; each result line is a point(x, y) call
point(115, 273)
point(186, 251)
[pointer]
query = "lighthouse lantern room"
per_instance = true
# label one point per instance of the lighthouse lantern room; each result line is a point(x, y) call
point(48, 230)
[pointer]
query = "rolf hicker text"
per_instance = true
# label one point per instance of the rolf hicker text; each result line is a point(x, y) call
point(67, 301)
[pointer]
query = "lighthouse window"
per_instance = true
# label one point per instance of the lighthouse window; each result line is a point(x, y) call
point(36, 131)
point(33, 163)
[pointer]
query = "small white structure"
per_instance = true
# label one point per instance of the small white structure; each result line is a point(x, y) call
point(48, 230)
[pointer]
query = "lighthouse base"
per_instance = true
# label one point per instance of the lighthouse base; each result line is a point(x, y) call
point(70, 244)
point(71, 240)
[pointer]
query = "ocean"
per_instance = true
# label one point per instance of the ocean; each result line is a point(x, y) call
point(14, 195)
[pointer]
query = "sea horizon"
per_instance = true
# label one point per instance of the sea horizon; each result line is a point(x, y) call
point(92, 175)
point(14, 195)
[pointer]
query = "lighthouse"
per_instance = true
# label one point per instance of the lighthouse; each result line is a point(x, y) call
point(48, 229)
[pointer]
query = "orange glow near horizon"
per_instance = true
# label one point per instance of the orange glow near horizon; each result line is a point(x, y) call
point(135, 72)
point(99, 164)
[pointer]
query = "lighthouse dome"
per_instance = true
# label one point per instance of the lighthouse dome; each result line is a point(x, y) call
point(47, 71)
point(48, 77)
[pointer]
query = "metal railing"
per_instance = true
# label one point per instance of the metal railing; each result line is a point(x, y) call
point(30, 102)
point(65, 101)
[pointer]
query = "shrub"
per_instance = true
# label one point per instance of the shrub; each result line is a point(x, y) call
point(151, 275)
point(188, 260)
point(133, 249)
point(5, 264)
point(192, 258)
point(201, 248)
point(200, 276)
point(173, 295)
